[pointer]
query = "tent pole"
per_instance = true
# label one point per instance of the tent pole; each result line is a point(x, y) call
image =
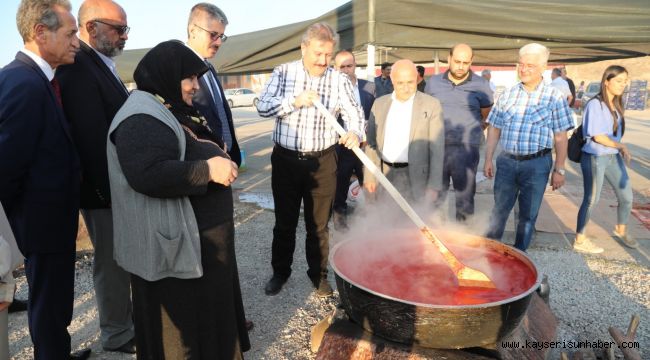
point(370, 68)
point(436, 61)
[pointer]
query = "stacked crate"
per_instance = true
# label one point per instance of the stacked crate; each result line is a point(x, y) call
point(637, 95)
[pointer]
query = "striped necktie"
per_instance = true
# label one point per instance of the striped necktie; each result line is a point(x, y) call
point(221, 110)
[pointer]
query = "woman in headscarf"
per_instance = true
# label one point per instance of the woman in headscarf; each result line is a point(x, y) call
point(174, 230)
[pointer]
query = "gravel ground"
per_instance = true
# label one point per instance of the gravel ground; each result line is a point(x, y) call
point(588, 294)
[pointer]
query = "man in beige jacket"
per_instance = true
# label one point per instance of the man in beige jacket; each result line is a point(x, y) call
point(406, 137)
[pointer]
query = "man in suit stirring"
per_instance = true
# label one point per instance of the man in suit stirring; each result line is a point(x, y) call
point(348, 163)
point(205, 34)
point(92, 93)
point(406, 137)
point(39, 171)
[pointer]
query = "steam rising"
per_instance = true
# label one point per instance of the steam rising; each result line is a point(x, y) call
point(392, 257)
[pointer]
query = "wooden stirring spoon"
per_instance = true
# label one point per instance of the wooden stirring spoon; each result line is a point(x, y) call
point(467, 277)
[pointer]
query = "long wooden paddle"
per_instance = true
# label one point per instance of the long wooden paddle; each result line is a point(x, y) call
point(467, 277)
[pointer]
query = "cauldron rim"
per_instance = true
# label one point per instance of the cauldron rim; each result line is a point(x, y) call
point(520, 255)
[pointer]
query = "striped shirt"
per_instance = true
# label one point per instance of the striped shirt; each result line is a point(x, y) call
point(528, 120)
point(305, 129)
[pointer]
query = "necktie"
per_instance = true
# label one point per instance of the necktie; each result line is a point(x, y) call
point(57, 90)
point(221, 110)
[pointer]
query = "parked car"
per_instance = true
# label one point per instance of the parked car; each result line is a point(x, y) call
point(590, 91)
point(241, 97)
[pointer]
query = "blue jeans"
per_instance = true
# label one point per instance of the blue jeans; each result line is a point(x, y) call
point(595, 169)
point(526, 181)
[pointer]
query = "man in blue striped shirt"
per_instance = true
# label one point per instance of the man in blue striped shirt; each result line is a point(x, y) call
point(303, 159)
point(526, 121)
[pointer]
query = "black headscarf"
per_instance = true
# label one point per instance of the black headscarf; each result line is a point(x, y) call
point(161, 70)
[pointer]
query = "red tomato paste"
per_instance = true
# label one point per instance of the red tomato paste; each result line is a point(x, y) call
point(411, 269)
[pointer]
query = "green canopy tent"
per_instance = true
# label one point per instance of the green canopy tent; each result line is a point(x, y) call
point(575, 31)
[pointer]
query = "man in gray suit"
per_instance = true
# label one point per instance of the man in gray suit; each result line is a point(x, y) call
point(406, 137)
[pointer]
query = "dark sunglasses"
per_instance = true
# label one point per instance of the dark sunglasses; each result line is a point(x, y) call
point(121, 29)
point(214, 35)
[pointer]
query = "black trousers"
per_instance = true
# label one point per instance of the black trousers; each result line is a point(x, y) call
point(347, 164)
point(50, 277)
point(297, 180)
point(461, 162)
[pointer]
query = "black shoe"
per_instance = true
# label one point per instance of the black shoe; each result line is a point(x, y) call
point(323, 288)
point(274, 285)
point(80, 355)
point(128, 348)
point(249, 325)
point(18, 306)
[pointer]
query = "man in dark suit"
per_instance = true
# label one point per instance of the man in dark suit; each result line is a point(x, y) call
point(383, 85)
point(205, 31)
point(39, 171)
point(348, 163)
point(92, 94)
point(205, 34)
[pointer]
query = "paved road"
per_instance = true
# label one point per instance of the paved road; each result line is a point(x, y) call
point(556, 221)
point(254, 133)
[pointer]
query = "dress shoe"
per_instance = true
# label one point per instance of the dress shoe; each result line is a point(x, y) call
point(127, 348)
point(274, 285)
point(18, 306)
point(80, 355)
point(323, 288)
point(249, 325)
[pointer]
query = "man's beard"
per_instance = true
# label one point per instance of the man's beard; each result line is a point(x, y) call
point(105, 46)
point(455, 76)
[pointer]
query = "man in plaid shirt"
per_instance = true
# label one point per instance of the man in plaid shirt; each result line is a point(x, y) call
point(526, 121)
point(303, 159)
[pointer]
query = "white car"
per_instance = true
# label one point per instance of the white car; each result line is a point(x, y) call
point(241, 97)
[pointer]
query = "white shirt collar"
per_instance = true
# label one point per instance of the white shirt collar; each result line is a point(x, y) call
point(107, 60)
point(42, 64)
point(207, 73)
point(408, 102)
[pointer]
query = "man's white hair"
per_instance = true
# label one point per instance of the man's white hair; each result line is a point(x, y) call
point(535, 49)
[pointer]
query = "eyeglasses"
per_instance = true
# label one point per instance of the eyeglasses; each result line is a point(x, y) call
point(120, 29)
point(214, 35)
point(527, 67)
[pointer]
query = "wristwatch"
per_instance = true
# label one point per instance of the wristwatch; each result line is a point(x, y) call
point(559, 171)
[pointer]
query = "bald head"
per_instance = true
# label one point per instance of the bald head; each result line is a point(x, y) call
point(99, 9)
point(101, 25)
point(460, 61)
point(404, 77)
point(461, 48)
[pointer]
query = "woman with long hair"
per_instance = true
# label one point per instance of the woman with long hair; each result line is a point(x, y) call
point(604, 157)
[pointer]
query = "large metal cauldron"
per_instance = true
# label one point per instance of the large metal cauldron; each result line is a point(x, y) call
point(434, 326)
